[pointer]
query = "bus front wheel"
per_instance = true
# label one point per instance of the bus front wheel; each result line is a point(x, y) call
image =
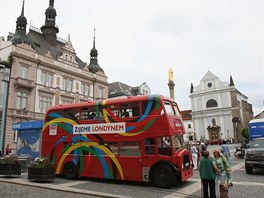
point(163, 177)
point(70, 171)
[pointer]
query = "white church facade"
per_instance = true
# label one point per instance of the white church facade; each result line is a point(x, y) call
point(219, 110)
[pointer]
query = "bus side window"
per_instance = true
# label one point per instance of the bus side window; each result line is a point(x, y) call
point(149, 145)
point(130, 149)
point(135, 111)
point(84, 114)
point(125, 113)
point(92, 116)
point(113, 147)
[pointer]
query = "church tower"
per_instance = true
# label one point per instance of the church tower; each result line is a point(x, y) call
point(21, 23)
point(50, 29)
point(21, 30)
point(94, 66)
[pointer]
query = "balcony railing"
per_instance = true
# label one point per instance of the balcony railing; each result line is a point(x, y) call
point(25, 114)
point(25, 83)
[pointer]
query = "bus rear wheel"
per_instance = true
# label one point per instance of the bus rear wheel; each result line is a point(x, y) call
point(70, 171)
point(163, 177)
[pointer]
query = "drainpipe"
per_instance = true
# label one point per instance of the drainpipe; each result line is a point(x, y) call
point(35, 95)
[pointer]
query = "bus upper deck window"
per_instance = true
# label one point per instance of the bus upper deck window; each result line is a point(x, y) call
point(177, 111)
point(129, 110)
point(168, 108)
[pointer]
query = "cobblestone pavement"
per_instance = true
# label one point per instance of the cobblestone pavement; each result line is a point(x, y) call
point(10, 190)
point(244, 186)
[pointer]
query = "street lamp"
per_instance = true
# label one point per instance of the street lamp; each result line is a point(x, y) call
point(5, 80)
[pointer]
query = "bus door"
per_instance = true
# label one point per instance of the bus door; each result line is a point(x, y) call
point(148, 157)
point(130, 160)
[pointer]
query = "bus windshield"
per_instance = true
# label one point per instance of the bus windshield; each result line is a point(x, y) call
point(176, 142)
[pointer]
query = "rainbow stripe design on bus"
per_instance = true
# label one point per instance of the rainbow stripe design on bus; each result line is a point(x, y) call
point(75, 147)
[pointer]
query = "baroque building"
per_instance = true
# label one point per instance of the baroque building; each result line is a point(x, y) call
point(219, 110)
point(188, 125)
point(46, 71)
point(120, 90)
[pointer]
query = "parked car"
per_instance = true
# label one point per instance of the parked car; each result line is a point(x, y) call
point(254, 155)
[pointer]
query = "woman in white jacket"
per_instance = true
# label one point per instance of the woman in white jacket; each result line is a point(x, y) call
point(194, 152)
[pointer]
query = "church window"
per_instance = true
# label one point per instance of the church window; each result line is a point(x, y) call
point(211, 103)
point(209, 84)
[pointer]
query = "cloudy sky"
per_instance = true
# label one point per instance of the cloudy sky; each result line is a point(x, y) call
point(139, 40)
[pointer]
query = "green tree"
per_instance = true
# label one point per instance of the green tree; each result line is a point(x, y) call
point(245, 133)
point(7, 63)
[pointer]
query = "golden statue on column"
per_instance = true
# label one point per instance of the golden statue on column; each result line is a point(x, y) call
point(171, 84)
point(170, 75)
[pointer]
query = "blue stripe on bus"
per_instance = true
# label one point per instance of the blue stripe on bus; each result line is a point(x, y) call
point(56, 115)
point(103, 161)
point(147, 111)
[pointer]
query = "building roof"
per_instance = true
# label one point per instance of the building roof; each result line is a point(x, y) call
point(122, 89)
point(42, 46)
point(45, 40)
point(260, 115)
point(186, 115)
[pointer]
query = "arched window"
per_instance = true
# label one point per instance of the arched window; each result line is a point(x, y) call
point(211, 103)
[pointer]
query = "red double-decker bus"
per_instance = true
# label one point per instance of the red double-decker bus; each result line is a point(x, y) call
point(137, 138)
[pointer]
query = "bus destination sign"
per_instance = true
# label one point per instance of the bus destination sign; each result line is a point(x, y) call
point(105, 128)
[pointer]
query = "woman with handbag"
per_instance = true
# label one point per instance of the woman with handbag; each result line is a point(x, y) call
point(220, 165)
point(228, 170)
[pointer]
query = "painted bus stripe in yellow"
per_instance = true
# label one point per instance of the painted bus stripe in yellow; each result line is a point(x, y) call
point(131, 134)
point(104, 112)
point(107, 151)
point(66, 120)
point(105, 116)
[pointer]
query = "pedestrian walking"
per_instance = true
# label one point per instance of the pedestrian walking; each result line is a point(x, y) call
point(208, 171)
point(225, 151)
point(7, 150)
point(228, 170)
point(203, 148)
point(194, 152)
